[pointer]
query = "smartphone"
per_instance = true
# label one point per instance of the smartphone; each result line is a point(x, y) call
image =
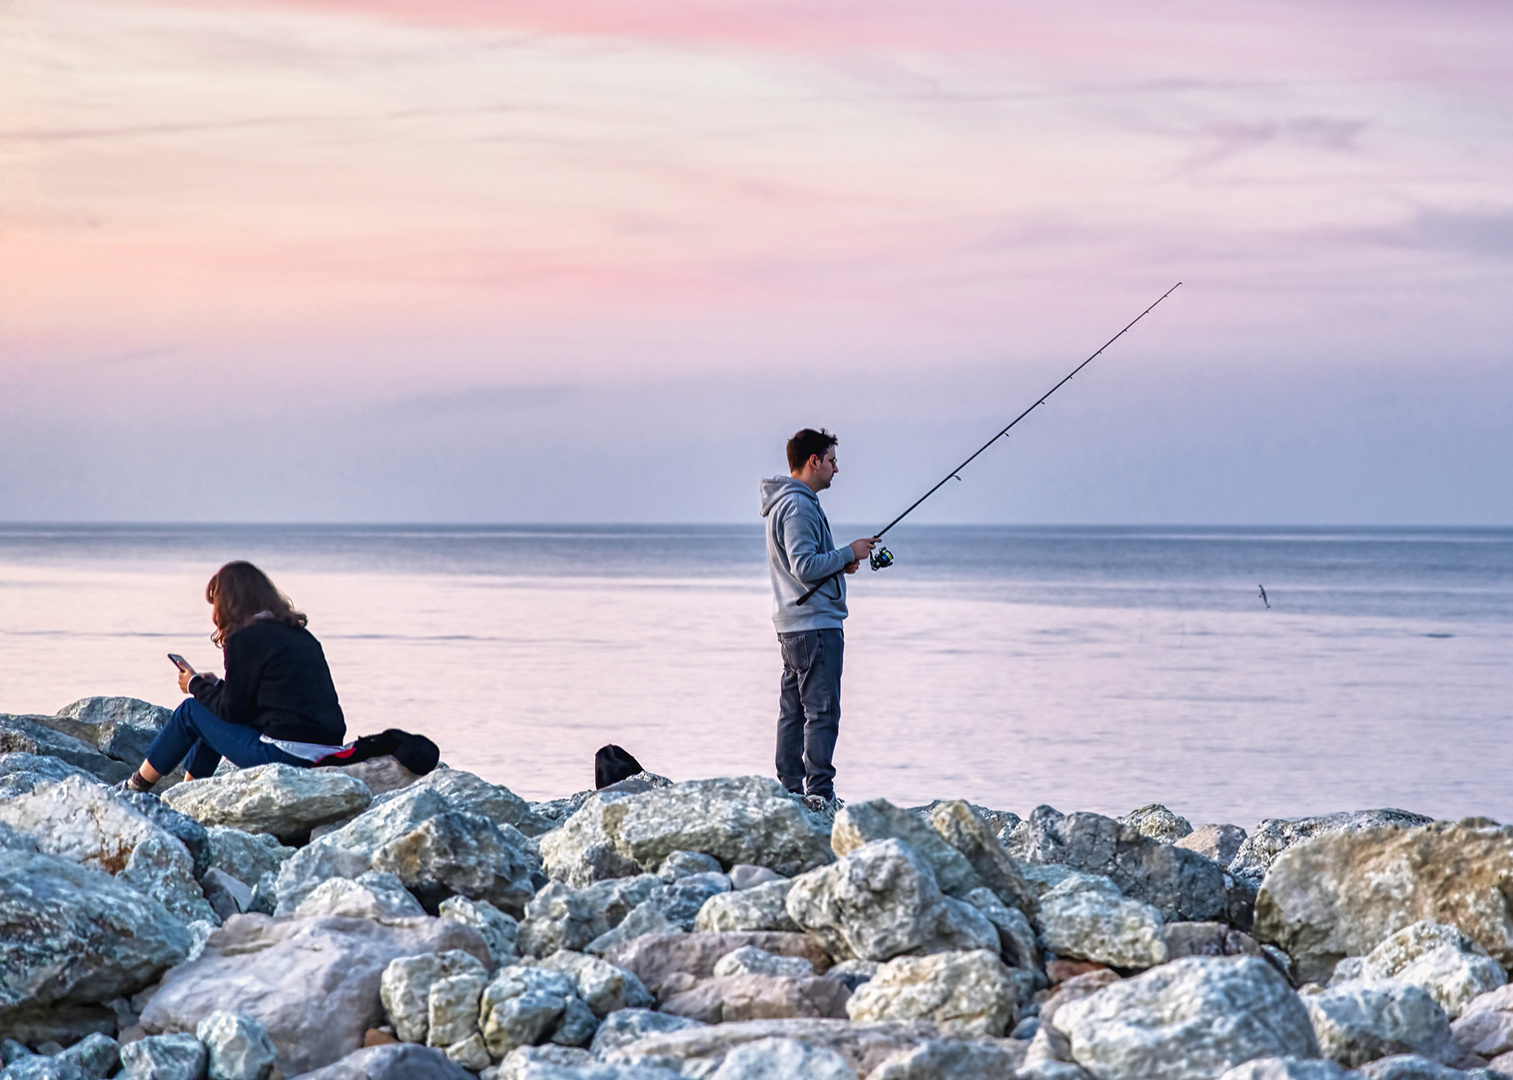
point(180, 662)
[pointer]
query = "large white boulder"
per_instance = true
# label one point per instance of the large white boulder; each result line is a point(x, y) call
point(282, 800)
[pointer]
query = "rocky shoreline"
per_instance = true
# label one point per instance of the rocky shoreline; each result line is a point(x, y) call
point(362, 923)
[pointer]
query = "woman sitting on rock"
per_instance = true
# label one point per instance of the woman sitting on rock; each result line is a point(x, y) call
point(276, 703)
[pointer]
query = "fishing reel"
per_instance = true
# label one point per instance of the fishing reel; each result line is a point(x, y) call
point(881, 559)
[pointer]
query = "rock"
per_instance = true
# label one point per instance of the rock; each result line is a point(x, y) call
point(515, 1065)
point(1181, 884)
point(1192, 1019)
point(76, 936)
point(469, 794)
point(453, 1014)
point(118, 727)
point(783, 1059)
point(864, 1046)
point(853, 973)
point(1286, 1069)
point(96, 1054)
point(522, 1006)
point(1357, 1022)
point(1075, 989)
point(996, 820)
point(373, 895)
point(625, 1026)
point(746, 876)
point(968, 993)
point(725, 999)
point(953, 1059)
point(1085, 917)
point(1440, 959)
point(22, 773)
point(666, 908)
point(313, 983)
point(1158, 823)
point(864, 823)
point(1340, 894)
point(1409, 1067)
point(758, 907)
point(1217, 842)
point(165, 1057)
point(1016, 937)
point(1275, 835)
point(749, 960)
point(1485, 1025)
point(395, 1061)
point(682, 864)
point(245, 856)
point(194, 836)
point(881, 901)
point(497, 929)
point(458, 854)
point(380, 775)
point(561, 917)
point(37, 1067)
point(406, 991)
point(961, 827)
point(737, 820)
point(1206, 939)
point(85, 822)
point(603, 987)
point(32, 735)
point(238, 1047)
point(1051, 1070)
point(679, 960)
point(283, 800)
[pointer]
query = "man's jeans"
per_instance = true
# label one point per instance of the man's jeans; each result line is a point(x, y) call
point(809, 710)
point(195, 732)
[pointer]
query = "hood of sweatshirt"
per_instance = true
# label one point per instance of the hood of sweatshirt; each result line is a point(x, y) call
point(774, 488)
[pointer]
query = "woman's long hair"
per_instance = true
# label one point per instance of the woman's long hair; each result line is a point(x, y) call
point(237, 592)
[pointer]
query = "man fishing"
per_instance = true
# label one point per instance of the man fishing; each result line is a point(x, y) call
point(801, 554)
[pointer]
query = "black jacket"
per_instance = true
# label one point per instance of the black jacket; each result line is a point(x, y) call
point(276, 681)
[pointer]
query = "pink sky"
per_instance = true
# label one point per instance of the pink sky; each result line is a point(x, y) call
point(328, 208)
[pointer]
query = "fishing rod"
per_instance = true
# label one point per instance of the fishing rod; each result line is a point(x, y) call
point(883, 558)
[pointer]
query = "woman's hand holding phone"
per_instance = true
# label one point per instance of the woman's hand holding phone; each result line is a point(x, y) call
point(185, 671)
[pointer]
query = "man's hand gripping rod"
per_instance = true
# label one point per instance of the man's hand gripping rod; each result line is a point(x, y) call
point(884, 557)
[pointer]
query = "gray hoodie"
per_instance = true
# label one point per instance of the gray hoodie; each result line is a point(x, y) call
point(800, 554)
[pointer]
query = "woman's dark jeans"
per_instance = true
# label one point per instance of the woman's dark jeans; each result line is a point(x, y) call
point(196, 733)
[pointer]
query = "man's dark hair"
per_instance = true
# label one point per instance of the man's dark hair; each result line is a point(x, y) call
point(807, 443)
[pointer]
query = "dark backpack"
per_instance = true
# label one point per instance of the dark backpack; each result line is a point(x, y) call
point(612, 764)
point(415, 752)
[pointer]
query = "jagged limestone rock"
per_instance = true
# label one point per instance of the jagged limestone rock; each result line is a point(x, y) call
point(749, 960)
point(965, 830)
point(238, 1047)
point(603, 987)
point(561, 917)
point(499, 930)
point(97, 1054)
point(281, 800)
point(405, 989)
point(32, 735)
point(1221, 843)
point(878, 819)
point(626, 1026)
point(962, 993)
point(458, 854)
point(522, 1006)
point(165, 1057)
point(762, 907)
point(1085, 917)
point(1449, 965)
point(1158, 823)
point(1357, 1022)
point(374, 895)
point(119, 727)
point(783, 1059)
point(1275, 835)
point(954, 1059)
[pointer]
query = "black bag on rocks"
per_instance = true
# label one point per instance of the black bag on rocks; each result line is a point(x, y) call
point(415, 752)
point(612, 764)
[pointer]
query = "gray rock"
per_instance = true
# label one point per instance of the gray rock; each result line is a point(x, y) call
point(746, 876)
point(603, 987)
point(469, 794)
point(32, 735)
point(396, 1061)
point(43, 1068)
point(194, 836)
point(1409, 1067)
point(670, 963)
point(666, 908)
point(864, 1046)
point(578, 1024)
point(681, 864)
point(1357, 1022)
point(964, 829)
point(1275, 835)
point(1016, 937)
point(406, 986)
point(953, 1059)
point(749, 960)
point(1207, 939)
point(22, 773)
point(281, 800)
point(995, 820)
point(245, 856)
point(165, 1057)
point(314, 984)
point(759, 907)
point(966, 993)
point(226, 895)
point(783, 1059)
point(76, 936)
point(882, 901)
point(238, 1047)
point(1449, 965)
point(13, 1050)
point(1221, 843)
point(499, 931)
point(625, 1026)
point(1192, 1019)
point(561, 917)
point(1086, 918)
point(85, 822)
point(522, 1006)
point(730, 998)
point(458, 854)
point(736, 820)
point(453, 1014)
point(380, 775)
point(1051, 1070)
point(1342, 893)
point(1286, 1069)
point(517, 1063)
point(98, 1055)
point(374, 895)
point(1485, 1025)
point(1183, 885)
point(119, 727)
point(853, 973)
point(864, 823)
point(1158, 823)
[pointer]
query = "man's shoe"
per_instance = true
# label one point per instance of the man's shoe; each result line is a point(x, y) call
point(819, 804)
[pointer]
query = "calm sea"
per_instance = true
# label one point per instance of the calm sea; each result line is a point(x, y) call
point(1088, 668)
